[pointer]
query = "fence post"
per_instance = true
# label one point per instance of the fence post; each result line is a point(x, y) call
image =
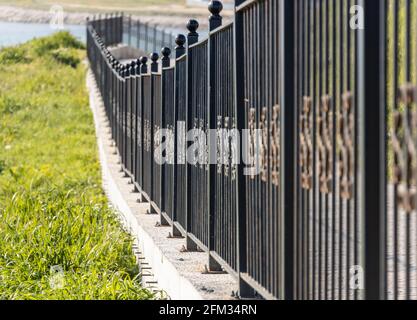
point(123, 118)
point(192, 38)
point(286, 18)
point(144, 65)
point(113, 98)
point(166, 182)
point(245, 291)
point(154, 68)
point(166, 60)
point(129, 126)
point(143, 70)
point(215, 21)
point(138, 134)
point(372, 145)
point(180, 40)
point(154, 64)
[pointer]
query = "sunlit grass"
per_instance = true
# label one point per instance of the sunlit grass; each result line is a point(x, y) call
point(52, 208)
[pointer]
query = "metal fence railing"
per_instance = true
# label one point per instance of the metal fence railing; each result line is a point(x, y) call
point(118, 28)
point(301, 182)
point(224, 174)
point(197, 119)
point(327, 190)
point(146, 36)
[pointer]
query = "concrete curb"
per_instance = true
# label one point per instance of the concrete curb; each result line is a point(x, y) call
point(163, 265)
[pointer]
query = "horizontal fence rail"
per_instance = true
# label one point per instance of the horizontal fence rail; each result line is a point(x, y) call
point(283, 144)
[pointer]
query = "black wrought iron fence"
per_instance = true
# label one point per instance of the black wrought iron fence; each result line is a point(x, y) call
point(263, 103)
point(146, 36)
point(222, 117)
point(399, 171)
point(109, 27)
point(311, 192)
point(328, 239)
point(197, 120)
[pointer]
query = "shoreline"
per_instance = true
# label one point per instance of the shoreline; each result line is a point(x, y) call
point(26, 15)
point(15, 14)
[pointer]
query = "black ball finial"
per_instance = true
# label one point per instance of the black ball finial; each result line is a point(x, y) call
point(165, 57)
point(180, 49)
point(215, 7)
point(215, 20)
point(143, 60)
point(192, 36)
point(132, 68)
point(137, 68)
point(180, 40)
point(123, 71)
point(144, 66)
point(166, 52)
point(154, 57)
point(154, 64)
point(192, 25)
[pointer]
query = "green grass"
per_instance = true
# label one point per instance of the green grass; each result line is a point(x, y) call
point(53, 211)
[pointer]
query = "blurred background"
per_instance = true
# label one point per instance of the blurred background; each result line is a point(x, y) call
point(22, 20)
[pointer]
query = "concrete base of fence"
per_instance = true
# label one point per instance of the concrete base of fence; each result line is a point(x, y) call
point(181, 275)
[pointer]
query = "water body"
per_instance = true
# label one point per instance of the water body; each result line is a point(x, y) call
point(13, 33)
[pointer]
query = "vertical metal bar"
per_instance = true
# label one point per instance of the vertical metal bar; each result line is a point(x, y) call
point(407, 63)
point(239, 98)
point(215, 21)
point(371, 106)
point(179, 51)
point(192, 38)
point(287, 13)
